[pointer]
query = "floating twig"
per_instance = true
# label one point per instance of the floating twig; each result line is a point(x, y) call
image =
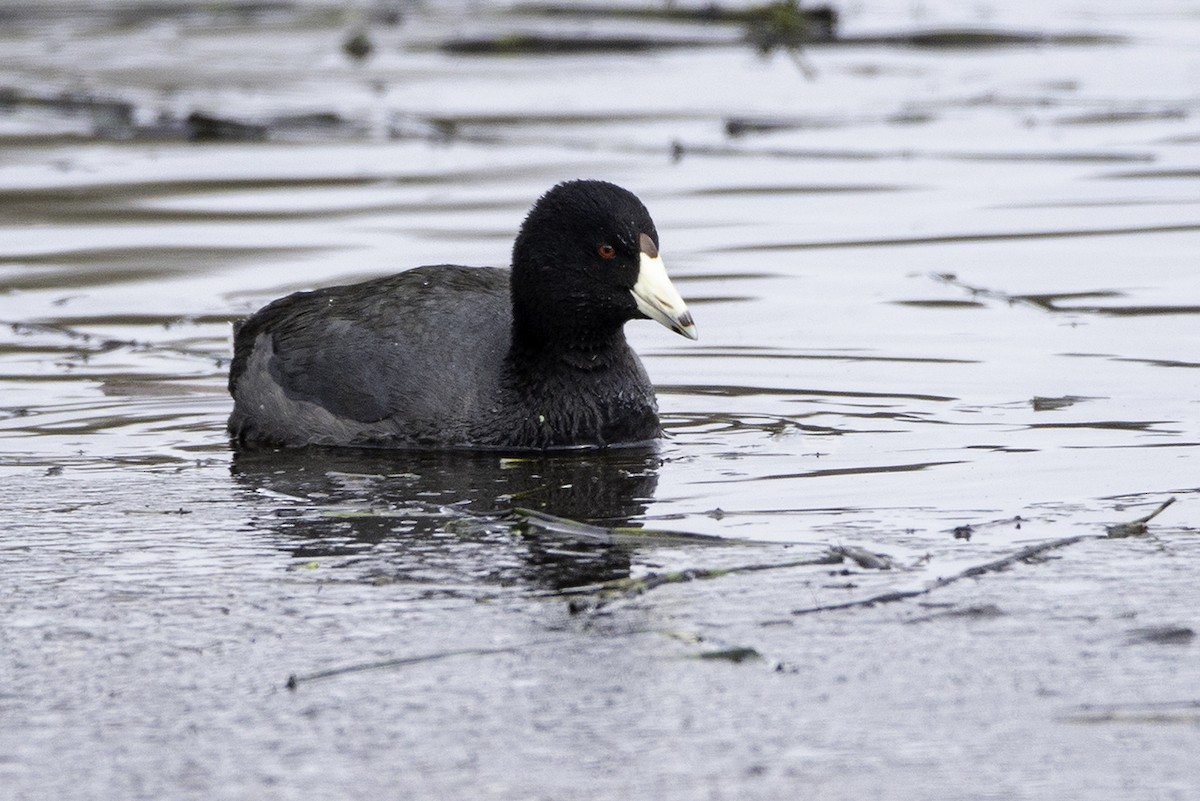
point(295, 680)
point(532, 519)
point(1186, 712)
point(1136, 528)
point(995, 565)
point(835, 555)
point(638, 586)
point(865, 559)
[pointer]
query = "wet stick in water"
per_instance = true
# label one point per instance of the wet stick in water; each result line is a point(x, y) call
point(627, 587)
point(995, 565)
point(1137, 528)
point(1133, 528)
point(295, 680)
point(533, 521)
point(720, 652)
point(631, 587)
point(1054, 302)
point(635, 586)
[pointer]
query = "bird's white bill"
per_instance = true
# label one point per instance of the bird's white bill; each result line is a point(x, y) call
point(658, 299)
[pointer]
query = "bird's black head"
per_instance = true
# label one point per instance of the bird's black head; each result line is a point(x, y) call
point(585, 262)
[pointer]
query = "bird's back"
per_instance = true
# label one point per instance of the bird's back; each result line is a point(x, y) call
point(410, 359)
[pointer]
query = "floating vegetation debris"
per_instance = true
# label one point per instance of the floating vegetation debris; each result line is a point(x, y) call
point(1186, 712)
point(1054, 302)
point(735, 654)
point(1040, 404)
point(672, 12)
point(1023, 555)
point(358, 46)
point(1115, 117)
point(535, 44)
point(783, 24)
point(533, 521)
point(743, 125)
point(1162, 635)
point(766, 26)
point(109, 118)
point(979, 38)
point(863, 558)
point(594, 596)
point(200, 127)
point(295, 679)
point(1137, 528)
point(973, 612)
point(786, 25)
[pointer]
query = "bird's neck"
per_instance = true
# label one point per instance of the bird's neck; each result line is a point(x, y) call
point(584, 349)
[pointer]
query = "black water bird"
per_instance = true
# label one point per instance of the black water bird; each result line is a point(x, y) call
point(453, 357)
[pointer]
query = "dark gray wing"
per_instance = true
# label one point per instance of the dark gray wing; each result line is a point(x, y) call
point(421, 345)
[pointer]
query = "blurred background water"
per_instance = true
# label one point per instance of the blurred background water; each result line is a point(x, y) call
point(943, 262)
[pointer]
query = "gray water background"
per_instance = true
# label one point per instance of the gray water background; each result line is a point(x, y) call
point(947, 299)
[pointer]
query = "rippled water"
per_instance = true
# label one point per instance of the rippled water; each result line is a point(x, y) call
point(948, 304)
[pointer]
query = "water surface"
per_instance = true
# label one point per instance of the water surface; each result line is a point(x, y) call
point(948, 306)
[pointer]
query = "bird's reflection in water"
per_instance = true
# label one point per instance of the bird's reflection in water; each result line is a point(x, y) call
point(437, 519)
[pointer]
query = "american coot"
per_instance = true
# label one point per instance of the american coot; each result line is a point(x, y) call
point(471, 357)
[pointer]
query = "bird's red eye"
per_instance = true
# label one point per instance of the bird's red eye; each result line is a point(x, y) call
point(606, 251)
